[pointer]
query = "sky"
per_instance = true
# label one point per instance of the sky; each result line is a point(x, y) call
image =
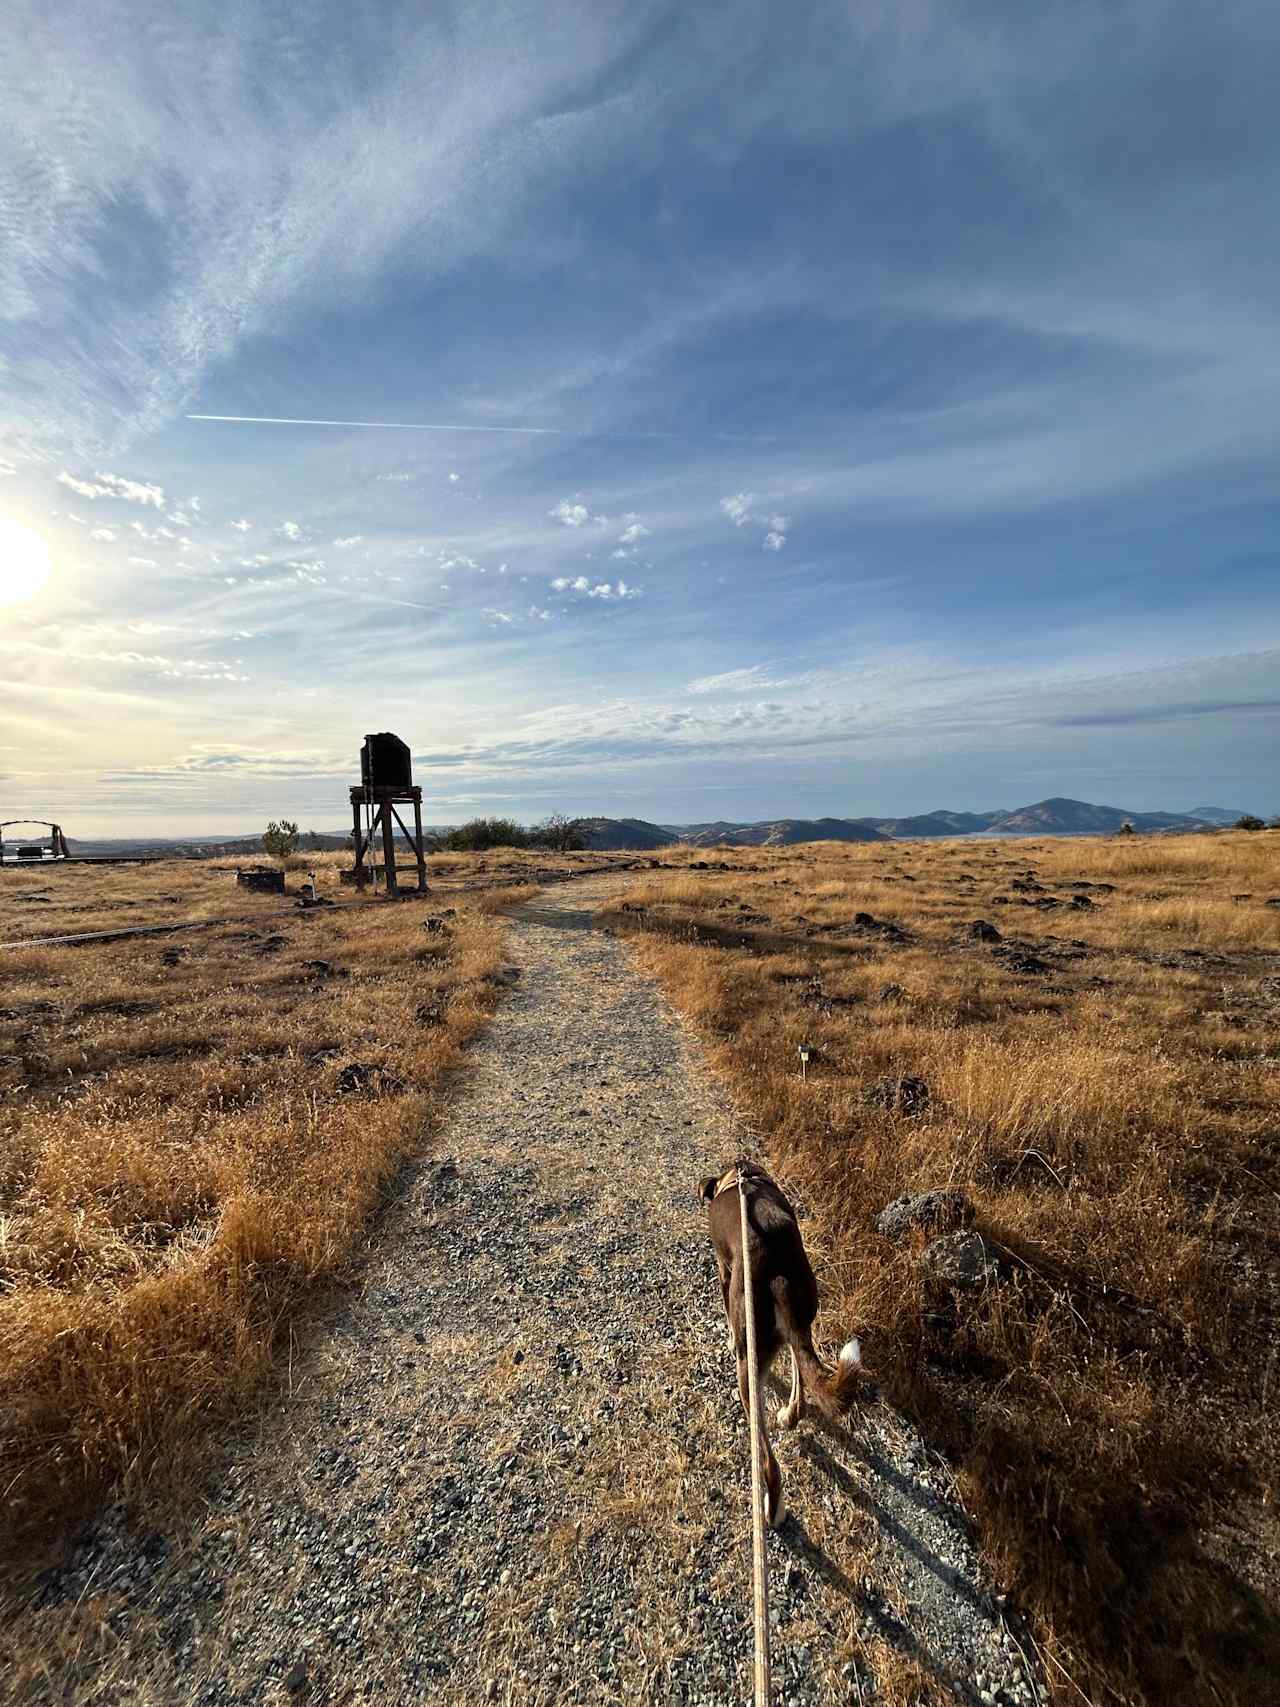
point(777, 410)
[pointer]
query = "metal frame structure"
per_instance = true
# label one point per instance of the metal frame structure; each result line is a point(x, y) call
point(55, 837)
point(378, 801)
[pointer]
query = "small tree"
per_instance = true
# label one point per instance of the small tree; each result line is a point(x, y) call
point(280, 839)
point(1126, 829)
point(481, 834)
point(1248, 822)
point(559, 834)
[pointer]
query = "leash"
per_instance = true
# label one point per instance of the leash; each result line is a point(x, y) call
point(759, 1557)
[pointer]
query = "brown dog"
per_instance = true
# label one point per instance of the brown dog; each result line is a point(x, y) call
point(785, 1295)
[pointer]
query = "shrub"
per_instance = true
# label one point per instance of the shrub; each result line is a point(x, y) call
point(280, 839)
point(479, 834)
point(1248, 822)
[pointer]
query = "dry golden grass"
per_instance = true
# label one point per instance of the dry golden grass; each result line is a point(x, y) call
point(179, 1160)
point(65, 900)
point(1115, 1119)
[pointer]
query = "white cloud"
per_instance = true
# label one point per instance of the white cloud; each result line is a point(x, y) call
point(596, 590)
point(738, 508)
point(748, 680)
point(346, 541)
point(509, 619)
point(635, 530)
point(180, 519)
point(741, 512)
point(115, 486)
point(291, 531)
point(454, 479)
point(144, 562)
point(242, 526)
point(6, 467)
point(188, 669)
point(107, 534)
point(573, 515)
point(399, 478)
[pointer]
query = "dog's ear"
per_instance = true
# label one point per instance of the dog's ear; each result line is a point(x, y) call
point(707, 1188)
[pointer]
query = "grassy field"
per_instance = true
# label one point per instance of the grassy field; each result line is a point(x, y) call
point(1103, 1081)
point(195, 1129)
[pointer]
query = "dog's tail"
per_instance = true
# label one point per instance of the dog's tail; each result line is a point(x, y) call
point(832, 1392)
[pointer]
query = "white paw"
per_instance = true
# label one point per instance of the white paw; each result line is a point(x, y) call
point(788, 1416)
point(851, 1354)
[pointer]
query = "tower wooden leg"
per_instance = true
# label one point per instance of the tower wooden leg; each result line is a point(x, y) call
point(418, 847)
point(389, 850)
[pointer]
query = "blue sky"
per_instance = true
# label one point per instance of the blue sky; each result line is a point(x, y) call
point(906, 379)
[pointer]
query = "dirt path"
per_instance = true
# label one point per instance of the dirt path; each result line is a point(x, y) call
point(512, 1467)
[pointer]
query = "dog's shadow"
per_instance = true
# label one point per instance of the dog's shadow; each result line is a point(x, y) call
point(925, 1550)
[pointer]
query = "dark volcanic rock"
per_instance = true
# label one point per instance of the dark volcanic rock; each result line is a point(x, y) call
point(365, 1078)
point(866, 924)
point(960, 1259)
point(905, 1096)
point(1021, 960)
point(982, 931)
point(934, 1211)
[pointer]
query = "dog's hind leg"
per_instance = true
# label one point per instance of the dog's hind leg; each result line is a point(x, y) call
point(775, 1509)
point(793, 1410)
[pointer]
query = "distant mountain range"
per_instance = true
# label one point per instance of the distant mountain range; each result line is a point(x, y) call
point(776, 833)
point(1054, 817)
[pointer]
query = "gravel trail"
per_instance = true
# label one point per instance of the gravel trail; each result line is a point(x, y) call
point(512, 1466)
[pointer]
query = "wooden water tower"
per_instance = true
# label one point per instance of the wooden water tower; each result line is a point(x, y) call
point(386, 782)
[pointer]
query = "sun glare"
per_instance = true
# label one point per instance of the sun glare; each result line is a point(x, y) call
point(24, 563)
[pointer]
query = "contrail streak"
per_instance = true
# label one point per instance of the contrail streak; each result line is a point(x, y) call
point(428, 427)
point(460, 427)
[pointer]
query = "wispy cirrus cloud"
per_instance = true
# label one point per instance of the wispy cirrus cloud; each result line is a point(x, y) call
point(752, 678)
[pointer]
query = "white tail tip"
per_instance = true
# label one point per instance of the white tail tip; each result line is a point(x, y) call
point(851, 1354)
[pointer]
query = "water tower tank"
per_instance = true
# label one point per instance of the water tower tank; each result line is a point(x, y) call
point(385, 763)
